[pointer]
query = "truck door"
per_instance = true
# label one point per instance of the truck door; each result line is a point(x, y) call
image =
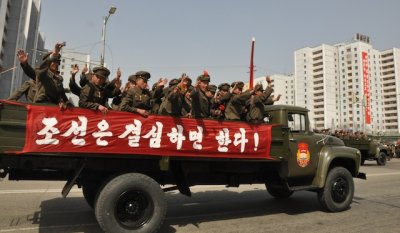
point(303, 160)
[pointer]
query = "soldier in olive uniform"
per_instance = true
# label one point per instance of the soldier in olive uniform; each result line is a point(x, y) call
point(28, 89)
point(237, 101)
point(201, 104)
point(174, 100)
point(117, 100)
point(137, 99)
point(94, 95)
point(256, 112)
point(49, 83)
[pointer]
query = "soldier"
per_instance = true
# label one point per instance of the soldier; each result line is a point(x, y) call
point(117, 100)
point(174, 101)
point(49, 83)
point(28, 88)
point(256, 113)
point(94, 95)
point(187, 104)
point(237, 101)
point(137, 99)
point(73, 86)
point(200, 102)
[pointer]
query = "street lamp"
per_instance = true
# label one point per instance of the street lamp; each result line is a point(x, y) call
point(105, 19)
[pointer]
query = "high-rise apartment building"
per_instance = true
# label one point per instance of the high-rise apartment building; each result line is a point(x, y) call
point(344, 85)
point(19, 24)
point(390, 79)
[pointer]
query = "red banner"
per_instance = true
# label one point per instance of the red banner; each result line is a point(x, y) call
point(367, 97)
point(77, 130)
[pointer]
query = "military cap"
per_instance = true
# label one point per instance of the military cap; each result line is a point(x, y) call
point(101, 71)
point(132, 78)
point(224, 87)
point(205, 77)
point(238, 84)
point(143, 74)
point(212, 88)
point(258, 87)
point(173, 82)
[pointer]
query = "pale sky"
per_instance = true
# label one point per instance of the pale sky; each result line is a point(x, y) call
point(171, 37)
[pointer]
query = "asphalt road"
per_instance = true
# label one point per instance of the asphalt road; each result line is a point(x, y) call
point(31, 207)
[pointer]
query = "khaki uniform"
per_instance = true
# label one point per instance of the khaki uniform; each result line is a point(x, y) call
point(234, 108)
point(256, 112)
point(50, 88)
point(201, 104)
point(92, 96)
point(138, 98)
point(28, 89)
point(173, 103)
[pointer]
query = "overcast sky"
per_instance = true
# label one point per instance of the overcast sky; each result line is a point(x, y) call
point(170, 37)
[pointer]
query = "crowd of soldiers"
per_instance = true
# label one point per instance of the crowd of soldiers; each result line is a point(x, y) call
point(344, 134)
point(179, 99)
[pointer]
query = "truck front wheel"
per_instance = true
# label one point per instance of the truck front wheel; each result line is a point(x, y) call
point(131, 203)
point(381, 160)
point(338, 192)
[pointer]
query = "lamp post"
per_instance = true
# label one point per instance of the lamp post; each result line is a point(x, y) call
point(105, 19)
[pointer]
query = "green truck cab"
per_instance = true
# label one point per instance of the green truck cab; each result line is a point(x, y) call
point(127, 190)
point(370, 150)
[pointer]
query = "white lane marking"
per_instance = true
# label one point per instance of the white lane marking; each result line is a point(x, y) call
point(49, 227)
point(383, 174)
point(28, 191)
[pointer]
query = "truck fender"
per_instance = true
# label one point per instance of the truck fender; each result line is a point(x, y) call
point(334, 156)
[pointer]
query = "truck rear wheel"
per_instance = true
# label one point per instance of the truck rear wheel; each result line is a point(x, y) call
point(338, 192)
point(279, 192)
point(131, 203)
point(381, 160)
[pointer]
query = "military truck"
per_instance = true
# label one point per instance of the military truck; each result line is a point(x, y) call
point(124, 163)
point(370, 149)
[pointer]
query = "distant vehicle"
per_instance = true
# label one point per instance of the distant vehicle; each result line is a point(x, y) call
point(370, 150)
point(122, 160)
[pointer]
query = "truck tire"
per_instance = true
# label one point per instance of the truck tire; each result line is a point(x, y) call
point(131, 202)
point(381, 160)
point(279, 192)
point(338, 192)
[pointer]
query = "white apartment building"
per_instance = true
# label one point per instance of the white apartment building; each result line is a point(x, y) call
point(390, 79)
point(282, 84)
point(341, 85)
point(19, 24)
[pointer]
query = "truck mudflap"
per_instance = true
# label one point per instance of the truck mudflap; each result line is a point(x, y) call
point(362, 175)
point(71, 182)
